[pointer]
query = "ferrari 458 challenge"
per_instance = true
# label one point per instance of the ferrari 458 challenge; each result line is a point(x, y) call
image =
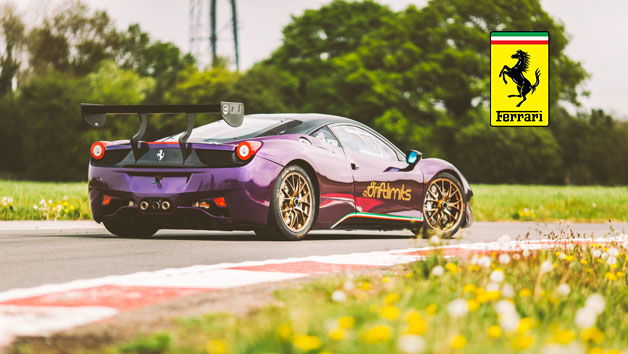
point(280, 175)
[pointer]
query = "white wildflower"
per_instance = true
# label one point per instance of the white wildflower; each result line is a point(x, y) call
point(546, 267)
point(484, 262)
point(561, 256)
point(497, 276)
point(504, 239)
point(596, 253)
point(596, 303)
point(458, 308)
point(526, 253)
point(604, 255)
point(613, 252)
point(411, 344)
point(516, 256)
point(563, 289)
point(435, 240)
point(339, 296)
point(492, 287)
point(438, 271)
point(507, 315)
point(611, 260)
point(504, 258)
point(348, 285)
point(508, 291)
point(585, 318)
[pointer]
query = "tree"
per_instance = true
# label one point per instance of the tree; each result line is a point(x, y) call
point(12, 35)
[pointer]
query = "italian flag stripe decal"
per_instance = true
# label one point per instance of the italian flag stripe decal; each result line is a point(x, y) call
point(519, 38)
point(377, 216)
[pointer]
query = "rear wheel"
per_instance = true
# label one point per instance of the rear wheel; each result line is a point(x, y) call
point(292, 207)
point(130, 228)
point(443, 207)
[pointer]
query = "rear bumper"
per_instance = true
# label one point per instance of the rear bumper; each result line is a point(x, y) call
point(246, 190)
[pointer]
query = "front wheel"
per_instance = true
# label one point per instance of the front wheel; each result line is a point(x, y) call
point(443, 206)
point(130, 228)
point(292, 207)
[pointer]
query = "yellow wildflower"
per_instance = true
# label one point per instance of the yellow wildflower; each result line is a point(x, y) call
point(613, 351)
point(451, 267)
point(611, 276)
point(592, 334)
point(459, 341)
point(620, 274)
point(346, 322)
point(473, 305)
point(385, 279)
point(306, 342)
point(284, 331)
point(494, 331)
point(391, 298)
point(337, 334)
point(522, 341)
point(390, 313)
point(525, 293)
point(217, 346)
point(584, 262)
point(564, 336)
point(469, 288)
point(379, 333)
point(431, 309)
point(474, 267)
point(596, 350)
point(409, 275)
point(365, 285)
point(416, 323)
point(525, 324)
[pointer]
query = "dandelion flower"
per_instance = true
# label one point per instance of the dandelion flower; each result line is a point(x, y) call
point(339, 296)
point(390, 313)
point(458, 342)
point(306, 342)
point(526, 253)
point(438, 271)
point(217, 346)
point(431, 309)
point(494, 331)
point(525, 292)
point(585, 318)
point(504, 258)
point(546, 267)
point(595, 302)
point(35, 207)
point(497, 276)
point(596, 253)
point(508, 291)
point(337, 334)
point(522, 342)
point(611, 260)
point(411, 344)
point(613, 252)
point(378, 333)
point(563, 289)
point(484, 262)
point(458, 308)
point(435, 240)
point(451, 267)
point(468, 288)
point(348, 285)
point(346, 322)
point(284, 331)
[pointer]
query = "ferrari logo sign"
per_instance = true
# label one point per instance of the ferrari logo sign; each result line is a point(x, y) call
point(519, 79)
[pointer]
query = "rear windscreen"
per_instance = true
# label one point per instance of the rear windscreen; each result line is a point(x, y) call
point(220, 131)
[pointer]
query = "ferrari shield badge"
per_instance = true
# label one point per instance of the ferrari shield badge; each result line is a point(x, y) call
point(519, 79)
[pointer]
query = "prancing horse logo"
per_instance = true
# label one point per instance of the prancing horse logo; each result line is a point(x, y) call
point(516, 74)
point(160, 155)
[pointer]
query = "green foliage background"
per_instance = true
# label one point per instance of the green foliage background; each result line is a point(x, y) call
point(420, 76)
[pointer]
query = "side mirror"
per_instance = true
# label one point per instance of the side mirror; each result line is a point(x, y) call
point(413, 157)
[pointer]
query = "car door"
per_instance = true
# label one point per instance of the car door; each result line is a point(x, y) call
point(383, 189)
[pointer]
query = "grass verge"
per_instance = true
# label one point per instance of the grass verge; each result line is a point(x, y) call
point(572, 300)
point(490, 202)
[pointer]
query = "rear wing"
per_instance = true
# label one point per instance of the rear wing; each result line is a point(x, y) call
point(95, 115)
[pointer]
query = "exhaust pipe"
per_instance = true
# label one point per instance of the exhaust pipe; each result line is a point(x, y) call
point(155, 205)
point(165, 205)
point(144, 205)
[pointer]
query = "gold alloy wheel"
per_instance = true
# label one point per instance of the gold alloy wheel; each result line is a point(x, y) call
point(295, 201)
point(443, 204)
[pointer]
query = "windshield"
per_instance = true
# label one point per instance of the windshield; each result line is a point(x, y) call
point(220, 131)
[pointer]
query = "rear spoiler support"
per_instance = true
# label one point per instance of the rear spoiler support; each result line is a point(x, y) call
point(95, 115)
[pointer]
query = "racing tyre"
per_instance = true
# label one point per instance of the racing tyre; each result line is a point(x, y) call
point(292, 207)
point(444, 207)
point(130, 228)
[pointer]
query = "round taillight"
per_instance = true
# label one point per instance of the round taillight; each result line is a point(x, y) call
point(98, 149)
point(246, 149)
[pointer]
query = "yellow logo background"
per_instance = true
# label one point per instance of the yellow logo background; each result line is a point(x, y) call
point(537, 101)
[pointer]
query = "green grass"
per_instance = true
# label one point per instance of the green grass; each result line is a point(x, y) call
point(490, 202)
point(72, 197)
point(528, 311)
point(550, 203)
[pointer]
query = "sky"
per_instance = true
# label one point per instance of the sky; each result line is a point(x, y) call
point(597, 29)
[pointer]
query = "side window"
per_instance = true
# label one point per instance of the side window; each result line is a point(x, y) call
point(325, 135)
point(363, 142)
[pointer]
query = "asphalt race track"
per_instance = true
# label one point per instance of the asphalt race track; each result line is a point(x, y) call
point(37, 253)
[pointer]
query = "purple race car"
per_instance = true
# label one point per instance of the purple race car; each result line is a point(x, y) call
point(280, 175)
